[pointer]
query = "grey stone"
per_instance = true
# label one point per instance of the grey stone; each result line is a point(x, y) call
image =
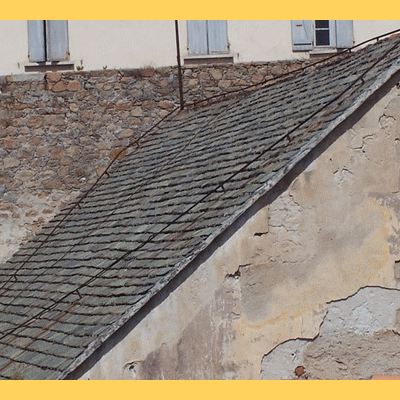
point(37, 76)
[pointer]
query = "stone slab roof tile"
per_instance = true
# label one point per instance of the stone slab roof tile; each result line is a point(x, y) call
point(160, 206)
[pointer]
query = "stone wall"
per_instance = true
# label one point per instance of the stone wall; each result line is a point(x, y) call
point(59, 131)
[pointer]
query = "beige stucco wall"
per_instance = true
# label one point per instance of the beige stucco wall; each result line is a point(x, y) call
point(135, 44)
point(332, 232)
point(357, 339)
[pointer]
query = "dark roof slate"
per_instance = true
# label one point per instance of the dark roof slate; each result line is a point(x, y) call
point(161, 205)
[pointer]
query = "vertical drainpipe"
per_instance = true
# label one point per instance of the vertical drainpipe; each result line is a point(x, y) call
point(178, 55)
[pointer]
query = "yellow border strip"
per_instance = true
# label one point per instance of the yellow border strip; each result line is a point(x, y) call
point(206, 9)
point(183, 390)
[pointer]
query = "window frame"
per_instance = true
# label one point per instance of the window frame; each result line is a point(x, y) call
point(331, 34)
point(341, 36)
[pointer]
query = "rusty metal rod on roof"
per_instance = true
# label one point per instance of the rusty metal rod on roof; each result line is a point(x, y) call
point(178, 56)
point(301, 69)
point(128, 252)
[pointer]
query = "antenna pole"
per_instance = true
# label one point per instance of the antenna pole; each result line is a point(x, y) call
point(178, 56)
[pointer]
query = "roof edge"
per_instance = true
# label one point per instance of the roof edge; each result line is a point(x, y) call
point(379, 82)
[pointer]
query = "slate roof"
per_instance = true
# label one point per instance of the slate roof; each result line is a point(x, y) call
point(161, 205)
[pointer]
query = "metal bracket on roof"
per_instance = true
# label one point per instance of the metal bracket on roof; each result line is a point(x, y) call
point(221, 185)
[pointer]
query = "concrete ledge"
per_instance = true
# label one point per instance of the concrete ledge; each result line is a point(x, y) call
point(208, 59)
point(25, 77)
point(65, 66)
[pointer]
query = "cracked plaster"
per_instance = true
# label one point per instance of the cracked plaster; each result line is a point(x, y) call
point(358, 338)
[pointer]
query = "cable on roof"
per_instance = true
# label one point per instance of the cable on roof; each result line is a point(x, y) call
point(301, 69)
point(76, 203)
point(105, 172)
point(56, 302)
point(220, 185)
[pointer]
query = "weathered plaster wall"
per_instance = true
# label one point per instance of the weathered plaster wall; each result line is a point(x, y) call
point(358, 338)
point(59, 131)
point(333, 231)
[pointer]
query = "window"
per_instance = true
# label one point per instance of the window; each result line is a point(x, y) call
point(48, 41)
point(320, 34)
point(322, 31)
point(207, 37)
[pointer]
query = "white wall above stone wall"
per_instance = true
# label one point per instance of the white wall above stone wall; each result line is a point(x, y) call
point(122, 44)
point(112, 44)
point(13, 47)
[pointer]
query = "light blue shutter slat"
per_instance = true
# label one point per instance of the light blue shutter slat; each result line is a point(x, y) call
point(344, 33)
point(217, 37)
point(36, 43)
point(197, 37)
point(302, 35)
point(57, 40)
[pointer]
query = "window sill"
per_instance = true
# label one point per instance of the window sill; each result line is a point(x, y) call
point(50, 66)
point(323, 50)
point(208, 59)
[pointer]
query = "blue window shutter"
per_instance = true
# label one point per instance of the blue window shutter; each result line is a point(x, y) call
point(36, 41)
point(332, 33)
point(344, 33)
point(197, 37)
point(217, 36)
point(302, 35)
point(57, 40)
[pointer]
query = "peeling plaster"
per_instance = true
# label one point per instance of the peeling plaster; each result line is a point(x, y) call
point(358, 338)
